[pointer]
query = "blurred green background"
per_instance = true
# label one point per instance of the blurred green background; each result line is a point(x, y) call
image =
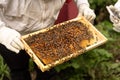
point(101, 63)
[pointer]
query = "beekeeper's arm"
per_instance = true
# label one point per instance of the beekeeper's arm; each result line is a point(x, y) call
point(10, 38)
point(85, 10)
point(116, 22)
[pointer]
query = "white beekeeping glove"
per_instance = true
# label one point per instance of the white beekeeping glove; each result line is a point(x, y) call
point(88, 13)
point(117, 5)
point(116, 27)
point(10, 38)
point(117, 8)
point(114, 16)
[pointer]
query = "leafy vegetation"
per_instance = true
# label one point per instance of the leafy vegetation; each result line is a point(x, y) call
point(4, 70)
point(101, 63)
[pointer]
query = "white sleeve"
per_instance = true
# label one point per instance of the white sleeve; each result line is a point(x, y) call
point(80, 2)
point(3, 5)
point(13, 7)
point(2, 24)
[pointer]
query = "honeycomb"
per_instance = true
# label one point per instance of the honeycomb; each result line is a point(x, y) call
point(61, 41)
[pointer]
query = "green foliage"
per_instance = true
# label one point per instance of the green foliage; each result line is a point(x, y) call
point(4, 70)
point(88, 63)
point(101, 3)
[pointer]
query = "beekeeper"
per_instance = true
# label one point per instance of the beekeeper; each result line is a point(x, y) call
point(20, 17)
point(116, 18)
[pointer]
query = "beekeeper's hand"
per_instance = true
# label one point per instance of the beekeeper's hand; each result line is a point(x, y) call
point(88, 13)
point(117, 8)
point(116, 23)
point(117, 5)
point(10, 39)
point(115, 19)
point(116, 27)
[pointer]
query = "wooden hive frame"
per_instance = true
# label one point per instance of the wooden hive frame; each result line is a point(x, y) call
point(99, 40)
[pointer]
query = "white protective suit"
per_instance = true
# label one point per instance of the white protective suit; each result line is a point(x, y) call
point(19, 17)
